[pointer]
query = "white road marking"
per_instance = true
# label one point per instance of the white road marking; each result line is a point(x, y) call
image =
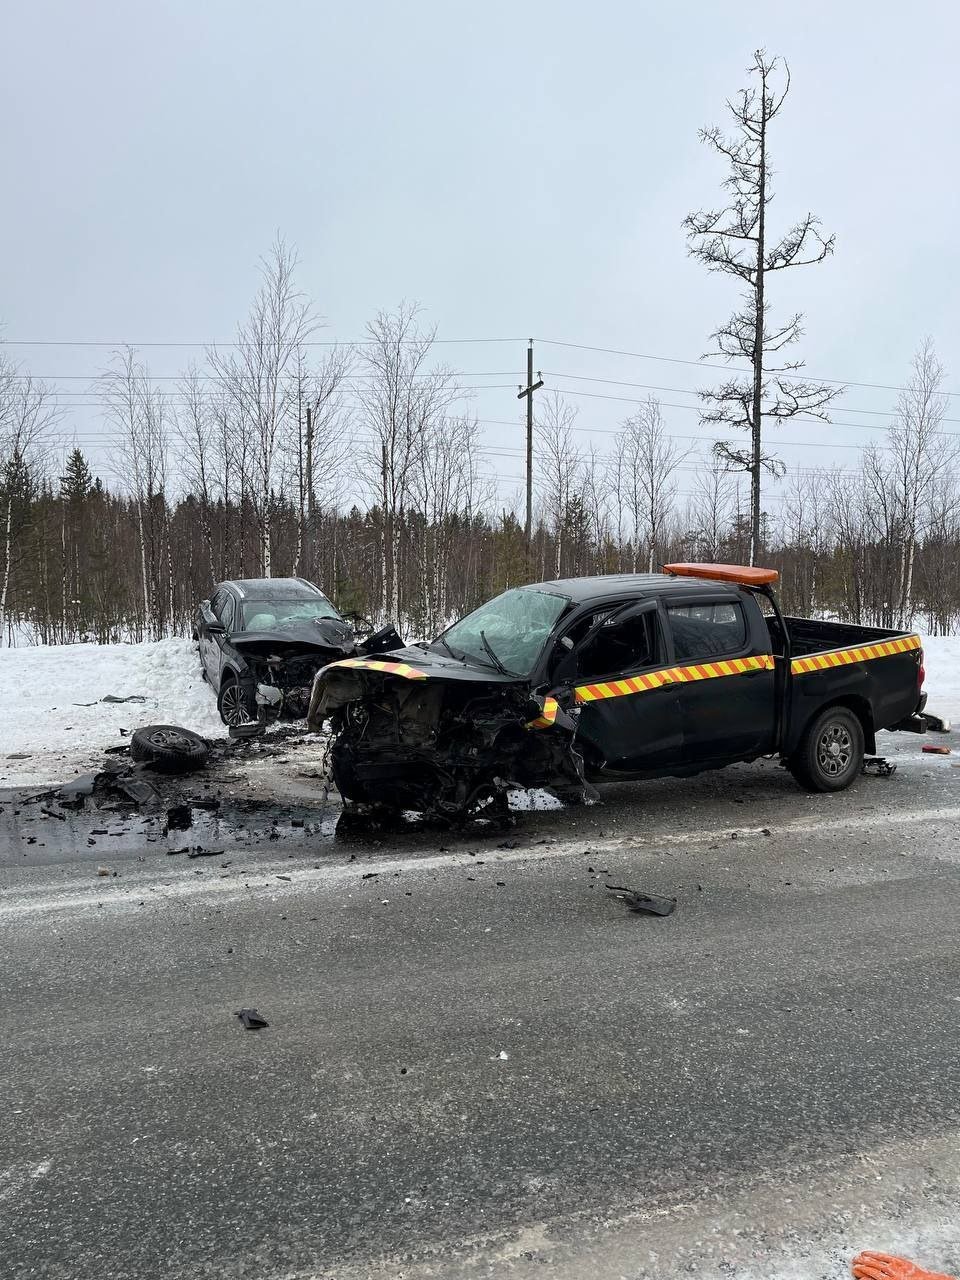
point(126, 893)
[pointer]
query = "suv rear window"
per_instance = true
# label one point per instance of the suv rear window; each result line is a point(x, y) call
point(707, 630)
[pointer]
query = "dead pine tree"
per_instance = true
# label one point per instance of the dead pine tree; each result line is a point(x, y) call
point(736, 240)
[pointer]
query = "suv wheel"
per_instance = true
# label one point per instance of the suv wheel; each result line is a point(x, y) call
point(235, 704)
point(830, 754)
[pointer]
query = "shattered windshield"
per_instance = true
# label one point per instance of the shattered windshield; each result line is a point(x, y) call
point(514, 626)
point(276, 615)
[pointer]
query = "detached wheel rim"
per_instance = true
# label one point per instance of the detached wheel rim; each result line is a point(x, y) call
point(233, 706)
point(835, 750)
point(170, 739)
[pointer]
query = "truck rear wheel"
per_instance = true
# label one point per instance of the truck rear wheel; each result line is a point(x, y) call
point(830, 754)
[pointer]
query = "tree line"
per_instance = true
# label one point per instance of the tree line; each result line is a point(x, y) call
point(248, 473)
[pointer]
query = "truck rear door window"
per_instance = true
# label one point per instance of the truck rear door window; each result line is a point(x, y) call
point(707, 630)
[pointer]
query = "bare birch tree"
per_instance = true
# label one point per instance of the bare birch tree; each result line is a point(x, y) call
point(648, 462)
point(257, 372)
point(923, 462)
point(137, 410)
point(28, 412)
point(735, 240)
point(399, 399)
point(561, 466)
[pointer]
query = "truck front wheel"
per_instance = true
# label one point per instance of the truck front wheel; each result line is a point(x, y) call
point(830, 753)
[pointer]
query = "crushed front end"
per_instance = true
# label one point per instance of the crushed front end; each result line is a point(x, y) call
point(416, 731)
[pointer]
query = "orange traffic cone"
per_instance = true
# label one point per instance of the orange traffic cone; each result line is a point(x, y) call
point(869, 1265)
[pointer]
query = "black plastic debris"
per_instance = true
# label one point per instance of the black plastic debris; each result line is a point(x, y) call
point(179, 817)
point(131, 697)
point(139, 790)
point(251, 1019)
point(879, 765)
point(200, 852)
point(642, 903)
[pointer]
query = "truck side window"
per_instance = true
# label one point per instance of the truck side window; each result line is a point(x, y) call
point(226, 614)
point(216, 604)
point(707, 630)
point(620, 647)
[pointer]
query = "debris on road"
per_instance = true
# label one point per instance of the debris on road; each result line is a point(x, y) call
point(179, 817)
point(930, 750)
point(105, 871)
point(251, 1019)
point(198, 851)
point(879, 765)
point(870, 1265)
point(642, 903)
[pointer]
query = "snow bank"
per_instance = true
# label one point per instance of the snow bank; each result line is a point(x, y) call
point(43, 689)
point(941, 658)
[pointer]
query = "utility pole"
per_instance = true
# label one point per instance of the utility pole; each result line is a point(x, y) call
point(311, 505)
point(528, 391)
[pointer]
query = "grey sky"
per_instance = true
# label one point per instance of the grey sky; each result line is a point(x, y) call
point(520, 169)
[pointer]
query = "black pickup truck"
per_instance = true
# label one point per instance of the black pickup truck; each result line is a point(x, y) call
point(565, 684)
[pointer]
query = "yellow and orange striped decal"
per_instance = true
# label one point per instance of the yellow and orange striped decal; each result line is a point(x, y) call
point(547, 716)
point(375, 664)
point(673, 675)
point(843, 657)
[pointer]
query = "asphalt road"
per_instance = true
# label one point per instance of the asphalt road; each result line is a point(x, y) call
point(478, 1063)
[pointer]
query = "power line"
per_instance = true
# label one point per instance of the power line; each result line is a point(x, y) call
point(703, 364)
point(338, 342)
point(362, 342)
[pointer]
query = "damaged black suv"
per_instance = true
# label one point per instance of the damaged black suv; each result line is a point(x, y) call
point(261, 642)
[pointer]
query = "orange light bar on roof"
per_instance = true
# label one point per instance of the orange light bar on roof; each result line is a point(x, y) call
point(745, 575)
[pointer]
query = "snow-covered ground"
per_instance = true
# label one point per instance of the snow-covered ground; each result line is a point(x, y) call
point(51, 710)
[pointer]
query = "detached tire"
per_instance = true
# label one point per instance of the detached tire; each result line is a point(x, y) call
point(169, 748)
point(830, 754)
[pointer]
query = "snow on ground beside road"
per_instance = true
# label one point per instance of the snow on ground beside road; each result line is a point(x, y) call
point(941, 658)
point(42, 686)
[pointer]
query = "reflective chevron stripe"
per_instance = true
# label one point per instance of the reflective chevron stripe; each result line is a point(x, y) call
point(673, 675)
point(842, 657)
point(547, 717)
point(374, 664)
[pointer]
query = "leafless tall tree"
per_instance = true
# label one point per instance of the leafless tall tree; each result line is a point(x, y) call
point(648, 463)
point(922, 464)
point(28, 412)
point(400, 398)
point(316, 443)
point(257, 373)
point(561, 466)
point(137, 410)
point(735, 240)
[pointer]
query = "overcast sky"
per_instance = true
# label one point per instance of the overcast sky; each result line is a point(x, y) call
point(519, 169)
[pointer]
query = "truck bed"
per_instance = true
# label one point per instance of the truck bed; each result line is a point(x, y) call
point(810, 635)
